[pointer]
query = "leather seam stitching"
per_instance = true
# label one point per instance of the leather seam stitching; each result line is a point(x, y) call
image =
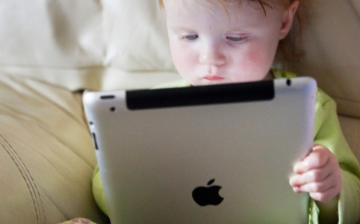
point(25, 173)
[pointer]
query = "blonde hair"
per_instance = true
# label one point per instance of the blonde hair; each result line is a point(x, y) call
point(289, 49)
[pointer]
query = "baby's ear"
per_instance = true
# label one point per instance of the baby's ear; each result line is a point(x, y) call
point(288, 19)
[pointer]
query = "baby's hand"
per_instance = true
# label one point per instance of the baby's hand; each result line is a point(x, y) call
point(319, 174)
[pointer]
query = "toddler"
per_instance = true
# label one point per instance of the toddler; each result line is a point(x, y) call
point(227, 41)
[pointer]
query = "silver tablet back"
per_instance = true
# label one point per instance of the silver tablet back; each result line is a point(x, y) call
point(211, 154)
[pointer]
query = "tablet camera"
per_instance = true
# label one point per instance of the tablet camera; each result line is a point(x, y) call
point(288, 82)
point(112, 109)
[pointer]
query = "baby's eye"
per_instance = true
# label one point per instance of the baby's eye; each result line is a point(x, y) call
point(191, 37)
point(236, 39)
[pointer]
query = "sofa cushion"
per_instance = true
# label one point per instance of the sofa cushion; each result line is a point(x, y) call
point(351, 130)
point(46, 154)
point(51, 34)
point(136, 36)
point(86, 44)
point(332, 44)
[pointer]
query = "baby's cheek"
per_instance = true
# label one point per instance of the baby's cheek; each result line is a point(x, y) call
point(182, 60)
point(259, 62)
point(249, 63)
point(255, 58)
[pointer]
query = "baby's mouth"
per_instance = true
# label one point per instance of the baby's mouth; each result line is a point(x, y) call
point(213, 77)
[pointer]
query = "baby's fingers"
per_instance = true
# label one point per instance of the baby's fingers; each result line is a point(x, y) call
point(321, 191)
point(311, 176)
point(318, 187)
point(324, 196)
point(318, 158)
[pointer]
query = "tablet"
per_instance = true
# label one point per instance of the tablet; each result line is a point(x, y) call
point(205, 154)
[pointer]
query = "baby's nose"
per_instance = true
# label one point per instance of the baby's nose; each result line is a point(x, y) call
point(212, 56)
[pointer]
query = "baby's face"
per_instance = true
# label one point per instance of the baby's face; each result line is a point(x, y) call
point(210, 46)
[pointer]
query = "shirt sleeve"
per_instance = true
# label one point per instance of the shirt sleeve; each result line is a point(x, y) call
point(328, 133)
point(98, 191)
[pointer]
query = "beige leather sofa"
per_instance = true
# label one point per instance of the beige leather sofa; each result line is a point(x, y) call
point(51, 50)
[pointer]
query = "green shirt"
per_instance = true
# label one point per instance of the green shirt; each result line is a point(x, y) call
point(327, 133)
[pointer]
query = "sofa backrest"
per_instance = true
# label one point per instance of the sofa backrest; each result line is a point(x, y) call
point(122, 44)
point(333, 52)
point(108, 44)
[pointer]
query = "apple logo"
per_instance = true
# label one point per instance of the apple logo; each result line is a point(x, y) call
point(207, 195)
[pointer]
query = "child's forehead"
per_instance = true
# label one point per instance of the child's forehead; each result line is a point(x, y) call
point(230, 6)
point(188, 4)
point(199, 6)
point(228, 3)
point(192, 11)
